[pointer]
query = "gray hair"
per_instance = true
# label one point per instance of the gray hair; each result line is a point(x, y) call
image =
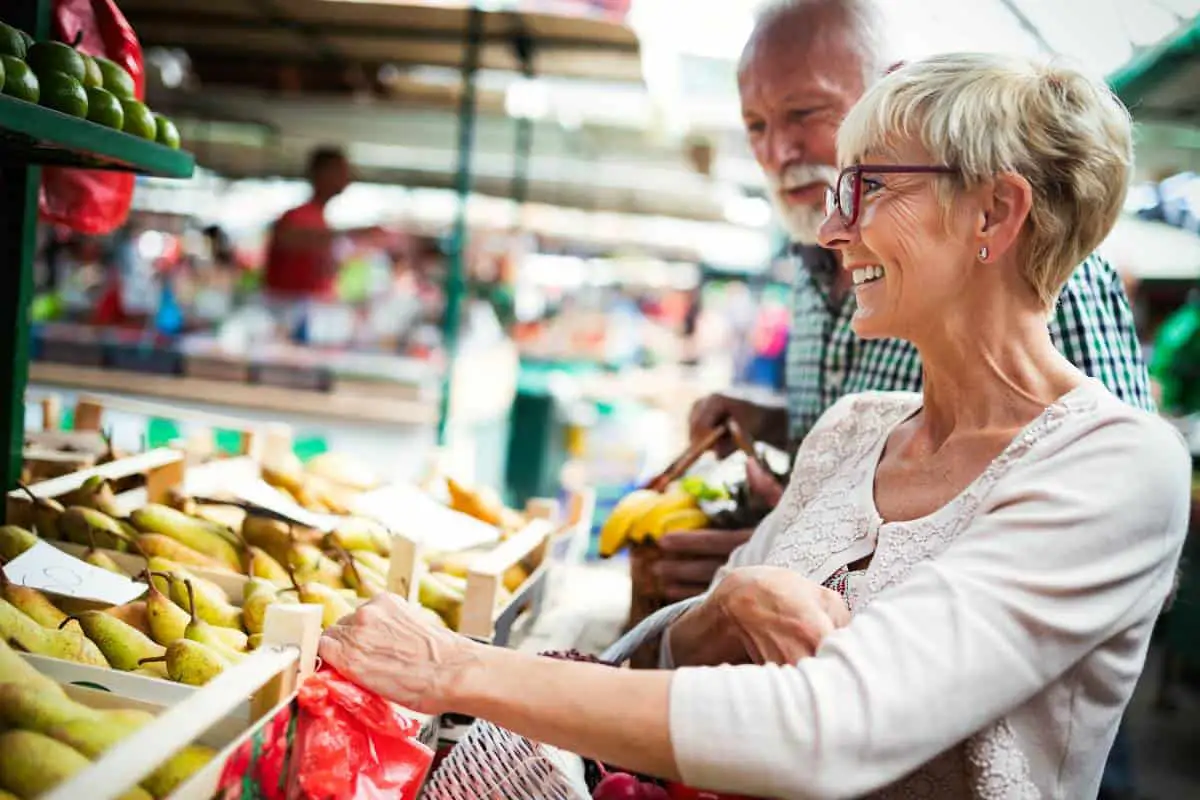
point(862, 19)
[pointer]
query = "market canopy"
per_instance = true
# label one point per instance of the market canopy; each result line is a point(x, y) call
point(1163, 84)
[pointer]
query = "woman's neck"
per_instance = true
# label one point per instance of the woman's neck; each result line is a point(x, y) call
point(995, 370)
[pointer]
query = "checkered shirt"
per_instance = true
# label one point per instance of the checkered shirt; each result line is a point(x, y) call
point(1093, 327)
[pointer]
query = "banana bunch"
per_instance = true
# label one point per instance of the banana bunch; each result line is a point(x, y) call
point(47, 737)
point(644, 516)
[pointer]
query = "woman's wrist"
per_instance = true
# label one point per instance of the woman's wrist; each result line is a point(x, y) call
point(463, 676)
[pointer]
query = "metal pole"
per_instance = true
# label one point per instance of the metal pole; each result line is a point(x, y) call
point(455, 277)
point(18, 241)
point(523, 46)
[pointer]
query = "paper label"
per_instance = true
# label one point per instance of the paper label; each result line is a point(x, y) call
point(48, 569)
point(407, 510)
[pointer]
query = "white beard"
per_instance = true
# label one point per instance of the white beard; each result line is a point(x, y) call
point(803, 223)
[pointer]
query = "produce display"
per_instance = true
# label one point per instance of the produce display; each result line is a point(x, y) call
point(48, 737)
point(644, 515)
point(56, 75)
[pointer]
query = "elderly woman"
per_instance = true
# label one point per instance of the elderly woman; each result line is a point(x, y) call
point(1003, 540)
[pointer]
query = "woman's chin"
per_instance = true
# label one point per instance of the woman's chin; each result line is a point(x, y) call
point(871, 326)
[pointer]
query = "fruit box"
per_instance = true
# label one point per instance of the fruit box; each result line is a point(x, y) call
point(482, 616)
point(224, 714)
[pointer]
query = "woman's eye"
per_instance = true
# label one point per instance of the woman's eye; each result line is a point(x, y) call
point(871, 185)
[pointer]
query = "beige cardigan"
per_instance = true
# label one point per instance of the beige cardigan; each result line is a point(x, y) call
point(994, 643)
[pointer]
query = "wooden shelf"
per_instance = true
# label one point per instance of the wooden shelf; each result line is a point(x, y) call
point(33, 134)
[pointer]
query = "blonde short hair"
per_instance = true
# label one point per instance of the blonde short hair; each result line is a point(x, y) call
point(986, 114)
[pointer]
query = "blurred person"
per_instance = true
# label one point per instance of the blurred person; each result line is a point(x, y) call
point(956, 595)
point(301, 262)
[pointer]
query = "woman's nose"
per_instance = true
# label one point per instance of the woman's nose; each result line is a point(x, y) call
point(834, 233)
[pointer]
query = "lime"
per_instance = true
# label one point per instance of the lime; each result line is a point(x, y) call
point(25, 37)
point(47, 57)
point(63, 93)
point(116, 79)
point(12, 42)
point(138, 119)
point(19, 80)
point(105, 109)
point(168, 134)
point(92, 77)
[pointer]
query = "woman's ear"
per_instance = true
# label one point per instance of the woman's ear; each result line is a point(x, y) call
point(1007, 207)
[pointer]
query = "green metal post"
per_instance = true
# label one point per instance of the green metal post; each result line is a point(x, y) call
point(456, 283)
point(18, 240)
point(523, 46)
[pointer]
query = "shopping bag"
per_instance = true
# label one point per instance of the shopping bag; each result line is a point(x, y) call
point(355, 745)
point(94, 202)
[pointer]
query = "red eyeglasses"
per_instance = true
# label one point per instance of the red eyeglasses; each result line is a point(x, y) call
point(846, 196)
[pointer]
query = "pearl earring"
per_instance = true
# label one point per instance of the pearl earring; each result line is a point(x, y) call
point(983, 253)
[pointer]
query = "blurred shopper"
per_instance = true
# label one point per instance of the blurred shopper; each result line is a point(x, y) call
point(302, 263)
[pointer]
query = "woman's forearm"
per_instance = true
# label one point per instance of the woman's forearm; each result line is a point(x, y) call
point(617, 716)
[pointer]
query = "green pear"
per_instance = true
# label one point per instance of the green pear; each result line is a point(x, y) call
point(200, 631)
point(156, 545)
point(199, 535)
point(122, 644)
point(31, 603)
point(14, 669)
point(191, 663)
point(333, 604)
point(257, 595)
point(68, 644)
point(168, 621)
point(260, 564)
point(209, 600)
point(14, 541)
point(31, 764)
point(32, 708)
point(84, 525)
point(37, 514)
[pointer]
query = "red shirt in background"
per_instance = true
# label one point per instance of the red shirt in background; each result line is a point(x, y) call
point(300, 271)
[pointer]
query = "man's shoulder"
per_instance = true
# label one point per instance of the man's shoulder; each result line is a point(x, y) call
point(1095, 275)
point(309, 215)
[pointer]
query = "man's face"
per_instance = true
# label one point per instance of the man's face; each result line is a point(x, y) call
point(797, 82)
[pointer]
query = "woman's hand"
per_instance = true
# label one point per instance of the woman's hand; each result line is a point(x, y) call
point(390, 646)
point(779, 616)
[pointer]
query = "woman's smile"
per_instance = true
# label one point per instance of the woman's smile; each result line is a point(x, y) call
point(868, 274)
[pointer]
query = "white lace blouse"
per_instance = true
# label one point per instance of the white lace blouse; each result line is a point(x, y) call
point(994, 643)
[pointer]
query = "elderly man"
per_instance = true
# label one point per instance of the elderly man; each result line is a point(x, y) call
point(805, 64)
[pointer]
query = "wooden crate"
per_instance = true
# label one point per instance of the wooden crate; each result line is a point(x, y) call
point(217, 714)
point(163, 469)
point(482, 618)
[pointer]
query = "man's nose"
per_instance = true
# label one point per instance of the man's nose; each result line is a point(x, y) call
point(785, 148)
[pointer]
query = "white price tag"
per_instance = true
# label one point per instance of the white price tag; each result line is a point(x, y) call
point(49, 569)
point(409, 511)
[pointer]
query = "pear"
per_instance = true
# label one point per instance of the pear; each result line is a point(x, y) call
point(96, 492)
point(371, 560)
point(435, 592)
point(191, 663)
point(333, 604)
point(14, 669)
point(181, 501)
point(208, 599)
point(364, 582)
point(255, 641)
point(123, 645)
point(168, 620)
point(69, 644)
point(91, 738)
point(260, 564)
point(102, 560)
point(357, 533)
point(313, 565)
point(270, 535)
point(14, 541)
point(199, 535)
point(82, 525)
point(31, 602)
point(200, 631)
point(156, 544)
point(39, 514)
point(31, 764)
point(257, 595)
point(135, 614)
point(32, 708)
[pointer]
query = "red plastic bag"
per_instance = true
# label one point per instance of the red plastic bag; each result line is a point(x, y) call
point(355, 745)
point(94, 202)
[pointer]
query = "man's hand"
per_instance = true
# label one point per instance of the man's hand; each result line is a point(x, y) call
point(761, 421)
point(690, 559)
point(781, 616)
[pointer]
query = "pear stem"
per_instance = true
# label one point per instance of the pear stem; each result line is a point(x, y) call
point(70, 618)
point(151, 660)
point(122, 535)
point(91, 537)
point(291, 571)
point(191, 598)
point(347, 560)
